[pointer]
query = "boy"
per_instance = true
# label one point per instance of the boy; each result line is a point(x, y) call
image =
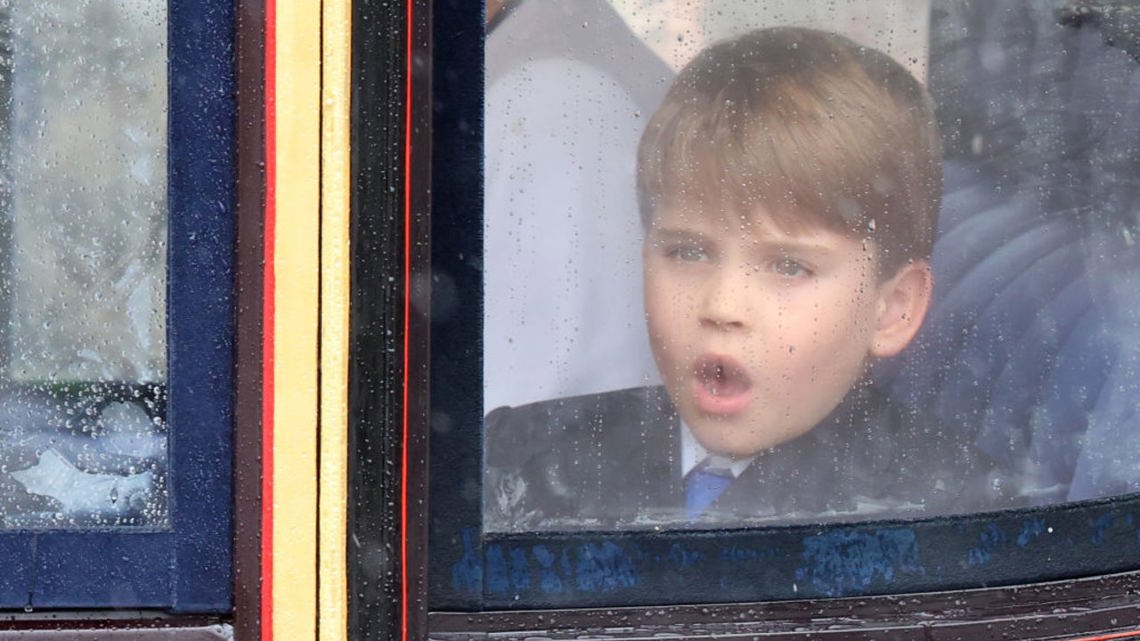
point(790, 184)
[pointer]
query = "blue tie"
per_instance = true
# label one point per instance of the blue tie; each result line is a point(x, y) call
point(702, 487)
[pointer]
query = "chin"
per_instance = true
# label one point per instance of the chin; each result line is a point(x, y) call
point(726, 440)
point(728, 446)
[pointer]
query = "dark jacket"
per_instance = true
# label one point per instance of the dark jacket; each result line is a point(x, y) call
point(611, 461)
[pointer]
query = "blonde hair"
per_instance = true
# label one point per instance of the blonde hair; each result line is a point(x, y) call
point(808, 124)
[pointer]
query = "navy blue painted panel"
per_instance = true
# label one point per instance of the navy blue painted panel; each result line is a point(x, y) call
point(888, 557)
point(456, 337)
point(101, 569)
point(16, 580)
point(200, 320)
point(189, 568)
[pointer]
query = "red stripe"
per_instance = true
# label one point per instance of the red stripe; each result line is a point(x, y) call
point(407, 318)
point(268, 321)
point(1109, 637)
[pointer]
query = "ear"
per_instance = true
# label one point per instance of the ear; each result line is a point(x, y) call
point(903, 300)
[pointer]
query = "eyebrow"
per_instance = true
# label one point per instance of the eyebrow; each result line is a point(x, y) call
point(675, 234)
point(793, 246)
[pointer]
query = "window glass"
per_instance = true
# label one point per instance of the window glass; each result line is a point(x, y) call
point(84, 172)
point(752, 263)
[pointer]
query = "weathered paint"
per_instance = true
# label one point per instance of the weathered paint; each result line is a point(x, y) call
point(845, 561)
point(777, 563)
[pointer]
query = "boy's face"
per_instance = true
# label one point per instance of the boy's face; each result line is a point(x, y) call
point(758, 332)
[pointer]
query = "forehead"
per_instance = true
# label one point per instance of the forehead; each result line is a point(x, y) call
point(759, 220)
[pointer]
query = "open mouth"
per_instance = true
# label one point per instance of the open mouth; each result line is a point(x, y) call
point(721, 386)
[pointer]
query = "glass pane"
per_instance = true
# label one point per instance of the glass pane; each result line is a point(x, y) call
point(84, 175)
point(774, 262)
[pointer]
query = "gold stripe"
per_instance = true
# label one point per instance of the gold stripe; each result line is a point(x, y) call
point(297, 266)
point(335, 194)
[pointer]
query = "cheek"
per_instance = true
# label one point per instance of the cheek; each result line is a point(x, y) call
point(666, 314)
point(820, 339)
point(846, 310)
point(657, 308)
point(844, 341)
point(863, 318)
point(660, 320)
point(663, 295)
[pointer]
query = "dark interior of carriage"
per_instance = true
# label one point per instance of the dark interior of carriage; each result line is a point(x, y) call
point(1031, 341)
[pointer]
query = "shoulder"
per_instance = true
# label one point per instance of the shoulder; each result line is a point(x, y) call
point(579, 462)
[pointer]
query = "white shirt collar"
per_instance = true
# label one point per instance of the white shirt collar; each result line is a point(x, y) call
point(693, 454)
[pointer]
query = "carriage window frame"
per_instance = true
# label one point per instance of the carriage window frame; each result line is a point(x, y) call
point(183, 567)
point(415, 403)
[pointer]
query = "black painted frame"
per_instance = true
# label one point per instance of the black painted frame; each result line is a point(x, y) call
point(387, 382)
point(1103, 606)
point(885, 579)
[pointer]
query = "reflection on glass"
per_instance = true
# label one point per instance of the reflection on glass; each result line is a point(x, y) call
point(768, 320)
point(84, 199)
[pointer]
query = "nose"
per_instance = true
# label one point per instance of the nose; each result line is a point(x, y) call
point(724, 305)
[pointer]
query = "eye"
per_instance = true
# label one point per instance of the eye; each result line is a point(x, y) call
point(687, 253)
point(790, 268)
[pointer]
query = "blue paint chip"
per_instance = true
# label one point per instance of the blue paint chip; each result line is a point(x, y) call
point(548, 579)
point(467, 573)
point(737, 553)
point(1101, 525)
point(990, 539)
point(496, 570)
point(1030, 530)
point(520, 570)
point(683, 557)
point(843, 562)
point(604, 568)
point(566, 567)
